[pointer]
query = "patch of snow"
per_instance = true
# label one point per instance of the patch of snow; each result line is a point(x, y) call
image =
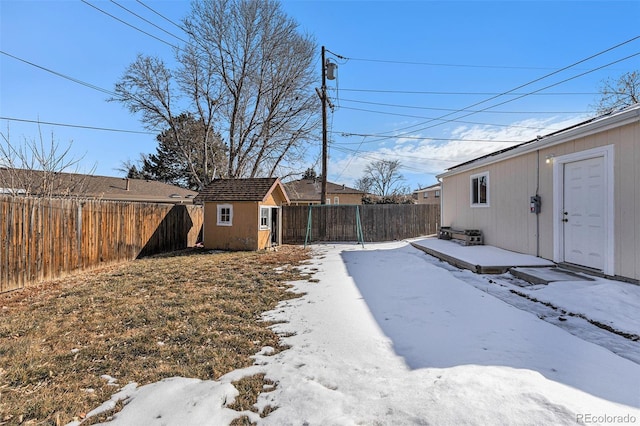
point(112, 381)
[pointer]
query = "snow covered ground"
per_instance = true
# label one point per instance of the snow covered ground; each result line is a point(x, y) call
point(390, 335)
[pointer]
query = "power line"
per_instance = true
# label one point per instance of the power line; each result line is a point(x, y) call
point(546, 76)
point(419, 138)
point(160, 15)
point(453, 109)
point(75, 80)
point(427, 92)
point(434, 64)
point(521, 86)
point(147, 21)
point(106, 129)
point(419, 168)
point(130, 25)
point(412, 157)
point(436, 119)
point(521, 96)
point(182, 28)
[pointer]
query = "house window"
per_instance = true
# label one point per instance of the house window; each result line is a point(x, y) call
point(328, 201)
point(437, 194)
point(225, 215)
point(336, 200)
point(480, 190)
point(265, 217)
point(425, 194)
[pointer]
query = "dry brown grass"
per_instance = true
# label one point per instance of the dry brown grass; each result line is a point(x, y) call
point(191, 314)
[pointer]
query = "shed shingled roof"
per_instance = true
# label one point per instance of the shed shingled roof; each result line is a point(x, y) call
point(250, 189)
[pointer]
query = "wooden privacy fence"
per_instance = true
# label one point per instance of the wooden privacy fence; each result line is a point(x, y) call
point(380, 222)
point(48, 238)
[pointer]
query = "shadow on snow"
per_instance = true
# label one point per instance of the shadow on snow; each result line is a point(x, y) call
point(434, 320)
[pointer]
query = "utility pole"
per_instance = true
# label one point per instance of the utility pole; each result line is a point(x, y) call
point(330, 67)
point(323, 98)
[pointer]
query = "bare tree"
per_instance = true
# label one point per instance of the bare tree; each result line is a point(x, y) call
point(264, 70)
point(383, 178)
point(149, 88)
point(36, 167)
point(245, 75)
point(619, 93)
point(364, 184)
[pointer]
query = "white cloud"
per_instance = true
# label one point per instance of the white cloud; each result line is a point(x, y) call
point(432, 156)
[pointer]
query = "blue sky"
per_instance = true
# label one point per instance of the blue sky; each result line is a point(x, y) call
point(416, 85)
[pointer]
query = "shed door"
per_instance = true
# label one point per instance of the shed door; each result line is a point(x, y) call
point(584, 213)
point(275, 227)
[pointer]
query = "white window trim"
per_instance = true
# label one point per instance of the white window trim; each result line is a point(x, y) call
point(219, 208)
point(558, 202)
point(336, 200)
point(479, 205)
point(268, 226)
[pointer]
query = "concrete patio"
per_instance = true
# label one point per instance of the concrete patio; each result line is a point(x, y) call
point(483, 259)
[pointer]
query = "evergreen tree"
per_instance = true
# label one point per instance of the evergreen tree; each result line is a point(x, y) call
point(310, 173)
point(183, 160)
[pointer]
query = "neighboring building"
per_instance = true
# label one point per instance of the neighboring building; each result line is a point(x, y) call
point(428, 195)
point(243, 214)
point(37, 182)
point(586, 184)
point(304, 192)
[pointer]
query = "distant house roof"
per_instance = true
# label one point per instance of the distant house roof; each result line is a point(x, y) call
point(311, 189)
point(37, 182)
point(251, 189)
point(433, 187)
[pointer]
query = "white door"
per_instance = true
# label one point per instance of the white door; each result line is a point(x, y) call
point(583, 215)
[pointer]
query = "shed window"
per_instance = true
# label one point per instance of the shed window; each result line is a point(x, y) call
point(480, 190)
point(225, 215)
point(265, 217)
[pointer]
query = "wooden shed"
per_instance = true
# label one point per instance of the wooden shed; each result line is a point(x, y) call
point(242, 214)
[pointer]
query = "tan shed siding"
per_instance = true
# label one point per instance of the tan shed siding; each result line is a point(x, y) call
point(242, 235)
point(263, 239)
point(269, 201)
point(264, 235)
